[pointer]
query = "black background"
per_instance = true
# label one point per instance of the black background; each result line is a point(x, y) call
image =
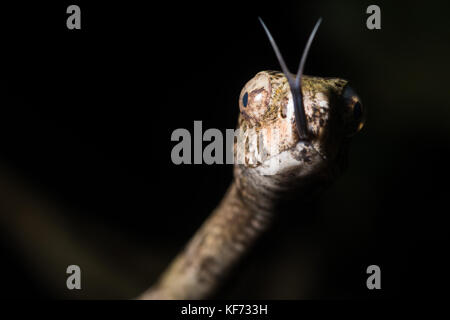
point(85, 168)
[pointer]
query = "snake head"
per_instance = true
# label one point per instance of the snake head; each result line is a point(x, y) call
point(267, 122)
point(295, 124)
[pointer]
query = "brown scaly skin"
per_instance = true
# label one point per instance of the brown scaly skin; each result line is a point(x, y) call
point(289, 167)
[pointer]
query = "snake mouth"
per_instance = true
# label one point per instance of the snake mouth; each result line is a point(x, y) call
point(302, 157)
point(321, 154)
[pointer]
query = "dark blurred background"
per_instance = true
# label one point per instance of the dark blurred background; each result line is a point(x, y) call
point(86, 176)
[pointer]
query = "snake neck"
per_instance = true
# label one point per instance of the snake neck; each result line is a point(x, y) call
point(220, 242)
point(241, 217)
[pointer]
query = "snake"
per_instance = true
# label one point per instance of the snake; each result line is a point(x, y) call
point(307, 122)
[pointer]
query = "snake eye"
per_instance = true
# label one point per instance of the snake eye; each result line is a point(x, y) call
point(245, 99)
point(255, 96)
point(358, 116)
point(355, 114)
point(357, 111)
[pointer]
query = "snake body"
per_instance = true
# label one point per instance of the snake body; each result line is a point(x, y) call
point(290, 166)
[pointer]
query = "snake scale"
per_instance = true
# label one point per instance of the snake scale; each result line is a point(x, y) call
point(307, 123)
